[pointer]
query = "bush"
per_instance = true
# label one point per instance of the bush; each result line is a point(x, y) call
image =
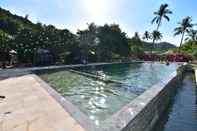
point(179, 58)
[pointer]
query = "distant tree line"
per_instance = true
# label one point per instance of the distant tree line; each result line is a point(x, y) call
point(94, 44)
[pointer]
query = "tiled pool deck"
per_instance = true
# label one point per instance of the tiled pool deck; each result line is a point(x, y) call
point(28, 107)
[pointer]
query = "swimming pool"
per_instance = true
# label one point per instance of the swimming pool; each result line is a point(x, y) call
point(100, 100)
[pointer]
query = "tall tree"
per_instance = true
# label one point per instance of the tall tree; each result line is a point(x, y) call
point(113, 41)
point(136, 46)
point(184, 27)
point(147, 35)
point(192, 35)
point(87, 40)
point(159, 15)
point(156, 35)
point(5, 46)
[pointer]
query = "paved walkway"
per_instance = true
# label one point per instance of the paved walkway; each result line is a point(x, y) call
point(28, 107)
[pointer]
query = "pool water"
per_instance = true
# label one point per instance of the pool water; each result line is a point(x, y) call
point(99, 100)
point(182, 113)
point(92, 97)
point(137, 75)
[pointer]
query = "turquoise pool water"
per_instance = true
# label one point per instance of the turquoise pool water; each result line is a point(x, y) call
point(99, 100)
point(137, 75)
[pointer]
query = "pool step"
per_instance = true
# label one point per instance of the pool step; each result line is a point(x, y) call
point(97, 77)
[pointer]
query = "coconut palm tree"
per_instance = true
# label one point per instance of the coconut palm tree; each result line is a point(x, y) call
point(160, 14)
point(146, 36)
point(192, 35)
point(184, 27)
point(156, 35)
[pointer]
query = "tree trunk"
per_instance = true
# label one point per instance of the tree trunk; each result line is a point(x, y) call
point(152, 46)
point(158, 25)
point(181, 42)
point(154, 38)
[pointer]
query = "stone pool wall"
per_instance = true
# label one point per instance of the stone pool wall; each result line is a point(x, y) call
point(143, 112)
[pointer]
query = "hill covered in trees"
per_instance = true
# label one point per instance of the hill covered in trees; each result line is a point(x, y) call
point(94, 44)
point(161, 46)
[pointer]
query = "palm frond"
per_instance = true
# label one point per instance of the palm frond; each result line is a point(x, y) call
point(177, 33)
point(167, 11)
point(166, 17)
point(154, 19)
point(187, 38)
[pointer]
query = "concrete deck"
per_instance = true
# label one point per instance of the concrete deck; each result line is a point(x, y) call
point(28, 107)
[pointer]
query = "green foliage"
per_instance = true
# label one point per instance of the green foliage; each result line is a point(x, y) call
point(184, 27)
point(192, 35)
point(147, 36)
point(100, 43)
point(94, 44)
point(161, 13)
point(136, 45)
point(190, 47)
point(156, 35)
point(111, 40)
point(5, 46)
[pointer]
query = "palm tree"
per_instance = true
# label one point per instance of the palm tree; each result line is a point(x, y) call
point(146, 35)
point(192, 35)
point(184, 27)
point(160, 14)
point(156, 35)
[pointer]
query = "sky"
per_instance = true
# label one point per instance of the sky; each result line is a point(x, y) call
point(132, 15)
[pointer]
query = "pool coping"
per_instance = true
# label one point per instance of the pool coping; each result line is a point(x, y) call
point(119, 120)
point(67, 105)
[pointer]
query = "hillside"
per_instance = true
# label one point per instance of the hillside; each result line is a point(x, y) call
point(11, 24)
point(162, 46)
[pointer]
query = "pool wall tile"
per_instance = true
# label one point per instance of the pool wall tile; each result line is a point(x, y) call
point(144, 111)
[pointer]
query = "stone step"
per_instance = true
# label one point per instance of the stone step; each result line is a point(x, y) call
point(97, 77)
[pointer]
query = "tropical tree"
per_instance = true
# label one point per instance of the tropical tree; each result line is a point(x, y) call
point(5, 47)
point(136, 45)
point(147, 36)
point(156, 35)
point(87, 41)
point(191, 35)
point(160, 14)
point(184, 27)
point(113, 42)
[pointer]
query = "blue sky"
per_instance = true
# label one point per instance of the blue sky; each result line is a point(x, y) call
point(131, 15)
